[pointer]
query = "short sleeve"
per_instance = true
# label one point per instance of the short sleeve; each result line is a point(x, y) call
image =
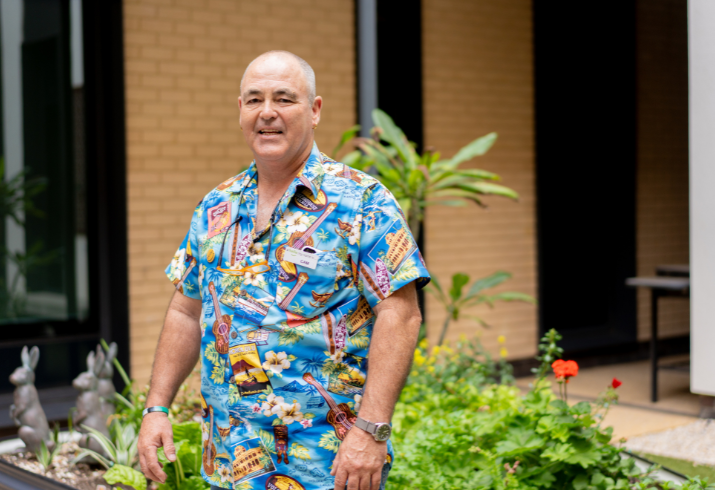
point(183, 271)
point(388, 255)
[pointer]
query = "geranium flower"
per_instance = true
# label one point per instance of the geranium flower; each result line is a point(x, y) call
point(224, 473)
point(306, 423)
point(276, 362)
point(616, 383)
point(272, 405)
point(290, 413)
point(564, 369)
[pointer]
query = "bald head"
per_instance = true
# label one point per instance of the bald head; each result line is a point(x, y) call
point(288, 57)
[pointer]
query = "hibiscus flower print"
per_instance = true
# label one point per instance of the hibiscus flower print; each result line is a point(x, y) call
point(358, 402)
point(297, 221)
point(290, 413)
point(272, 405)
point(225, 473)
point(333, 168)
point(252, 279)
point(306, 423)
point(337, 358)
point(276, 362)
point(256, 253)
point(355, 232)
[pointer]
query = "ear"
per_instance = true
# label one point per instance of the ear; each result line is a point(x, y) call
point(112, 352)
point(90, 361)
point(317, 107)
point(98, 364)
point(25, 357)
point(34, 357)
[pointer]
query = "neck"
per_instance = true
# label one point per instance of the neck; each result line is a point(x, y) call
point(274, 177)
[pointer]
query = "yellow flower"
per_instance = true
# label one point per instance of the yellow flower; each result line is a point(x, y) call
point(448, 349)
point(423, 344)
point(462, 337)
point(435, 350)
point(503, 352)
point(501, 339)
point(414, 373)
point(430, 369)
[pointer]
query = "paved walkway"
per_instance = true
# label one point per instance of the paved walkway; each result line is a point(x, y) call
point(635, 415)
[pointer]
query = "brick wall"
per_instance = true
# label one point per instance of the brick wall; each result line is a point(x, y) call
point(477, 79)
point(662, 232)
point(184, 62)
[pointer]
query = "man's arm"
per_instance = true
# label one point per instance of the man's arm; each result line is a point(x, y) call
point(176, 355)
point(360, 458)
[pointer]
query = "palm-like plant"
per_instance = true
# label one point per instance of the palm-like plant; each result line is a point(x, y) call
point(121, 449)
point(418, 181)
point(455, 301)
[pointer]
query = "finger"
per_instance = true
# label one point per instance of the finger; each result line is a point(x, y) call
point(341, 479)
point(152, 463)
point(167, 440)
point(353, 482)
point(376, 479)
point(142, 463)
point(334, 471)
point(365, 481)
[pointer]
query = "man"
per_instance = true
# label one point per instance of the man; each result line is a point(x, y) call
point(294, 276)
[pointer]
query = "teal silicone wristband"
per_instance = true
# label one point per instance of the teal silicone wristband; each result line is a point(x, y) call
point(154, 409)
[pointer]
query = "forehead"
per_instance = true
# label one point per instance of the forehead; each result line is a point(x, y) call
point(275, 71)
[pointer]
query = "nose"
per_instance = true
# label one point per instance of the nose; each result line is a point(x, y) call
point(268, 111)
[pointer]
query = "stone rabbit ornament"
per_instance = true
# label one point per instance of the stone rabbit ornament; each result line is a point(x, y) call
point(27, 411)
point(106, 387)
point(89, 406)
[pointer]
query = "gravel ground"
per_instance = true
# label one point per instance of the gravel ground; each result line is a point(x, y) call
point(693, 442)
point(78, 476)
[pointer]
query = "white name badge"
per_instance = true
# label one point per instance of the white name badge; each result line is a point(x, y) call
point(299, 257)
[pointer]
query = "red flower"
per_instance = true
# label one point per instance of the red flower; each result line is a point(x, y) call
point(565, 369)
point(616, 383)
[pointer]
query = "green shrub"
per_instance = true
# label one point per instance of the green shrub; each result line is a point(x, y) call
point(455, 429)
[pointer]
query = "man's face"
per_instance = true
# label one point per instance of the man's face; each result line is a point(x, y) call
point(276, 114)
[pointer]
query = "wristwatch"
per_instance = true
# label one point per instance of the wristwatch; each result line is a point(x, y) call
point(380, 431)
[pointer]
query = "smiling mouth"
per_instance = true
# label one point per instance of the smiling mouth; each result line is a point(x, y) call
point(270, 131)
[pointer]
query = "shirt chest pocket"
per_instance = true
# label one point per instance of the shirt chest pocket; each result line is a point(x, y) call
point(308, 291)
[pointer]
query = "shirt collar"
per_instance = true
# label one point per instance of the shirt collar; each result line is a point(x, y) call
point(311, 175)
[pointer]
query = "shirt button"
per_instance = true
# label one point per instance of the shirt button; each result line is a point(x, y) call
point(234, 335)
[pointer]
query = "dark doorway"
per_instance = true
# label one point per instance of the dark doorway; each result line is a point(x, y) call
point(585, 96)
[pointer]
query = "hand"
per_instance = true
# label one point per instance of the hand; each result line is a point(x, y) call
point(155, 432)
point(359, 461)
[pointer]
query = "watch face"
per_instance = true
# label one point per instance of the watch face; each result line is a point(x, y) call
point(383, 432)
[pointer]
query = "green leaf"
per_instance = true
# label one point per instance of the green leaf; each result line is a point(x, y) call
point(487, 283)
point(393, 135)
point(581, 408)
point(459, 280)
point(476, 148)
point(298, 451)
point(489, 188)
point(194, 483)
point(125, 476)
point(190, 431)
point(435, 288)
point(190, 458)
point(580, 482)
point(347, 136)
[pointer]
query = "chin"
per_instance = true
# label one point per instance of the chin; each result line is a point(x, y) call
point(270, 150)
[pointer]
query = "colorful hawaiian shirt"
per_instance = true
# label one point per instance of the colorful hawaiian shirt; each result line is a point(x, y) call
point(287, 318)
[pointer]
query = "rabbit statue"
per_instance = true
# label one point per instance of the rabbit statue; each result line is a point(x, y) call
point(106, 386)
point(27, 411)
point(89, 407)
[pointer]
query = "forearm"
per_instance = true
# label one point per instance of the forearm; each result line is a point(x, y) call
point(177, 351)
point(392, 347)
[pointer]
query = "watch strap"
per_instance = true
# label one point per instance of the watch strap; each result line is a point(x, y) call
point(157, 408)
point(365, 425)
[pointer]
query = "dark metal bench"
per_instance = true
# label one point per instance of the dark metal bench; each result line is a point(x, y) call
point(662, 285)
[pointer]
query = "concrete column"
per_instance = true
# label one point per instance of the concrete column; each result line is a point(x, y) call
point(701, 51)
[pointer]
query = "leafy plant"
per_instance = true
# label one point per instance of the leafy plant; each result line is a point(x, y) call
point(455, 300)
point(468, 432)
point(126, 476)
point(418, 181)
point(185, 472)
point(44, 455)
point(121, 449)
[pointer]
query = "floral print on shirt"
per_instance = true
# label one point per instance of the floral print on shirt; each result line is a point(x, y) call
point(287, 318)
